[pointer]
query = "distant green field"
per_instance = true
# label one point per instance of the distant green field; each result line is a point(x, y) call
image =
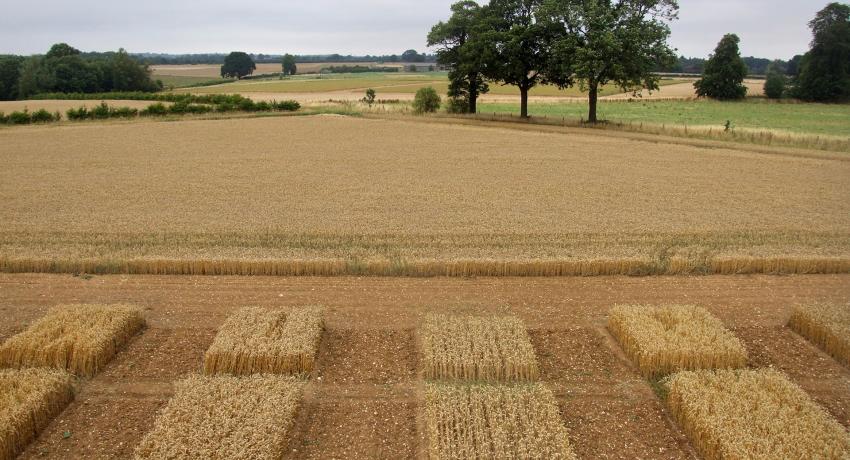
point(816, 119)
point(173, 81)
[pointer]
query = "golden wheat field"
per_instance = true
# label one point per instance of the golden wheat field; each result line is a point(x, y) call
point(336, 195)
point(29, 399)
point(753, 414)
point(477, 349)
point(481, 421)
point(665, 339)
point(262, 341)
point(826, 325)
point(78, 338)
point(224, 417)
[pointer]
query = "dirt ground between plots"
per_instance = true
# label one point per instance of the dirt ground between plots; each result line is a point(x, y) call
point(364, 396)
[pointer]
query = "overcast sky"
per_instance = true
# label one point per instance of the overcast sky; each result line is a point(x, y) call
point(768, 28)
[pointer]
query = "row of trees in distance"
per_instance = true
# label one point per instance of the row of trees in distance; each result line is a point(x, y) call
point(591, 43)
point(65, 69)
point(821, 75)
point(525, 43)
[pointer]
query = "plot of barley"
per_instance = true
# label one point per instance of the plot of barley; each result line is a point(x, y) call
point(473, 348)
point(29, 399)
point(665, 339)
point(225, 417)
point(79, 338)
point(494, 421)
point(262, 341)
point(753, 414)
point(827, 326)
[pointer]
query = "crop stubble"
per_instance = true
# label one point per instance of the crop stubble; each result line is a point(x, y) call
point(318, 196)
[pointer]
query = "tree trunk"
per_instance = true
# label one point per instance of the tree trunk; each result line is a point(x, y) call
point(473, 94)
point(593, 97)
point(523, 94)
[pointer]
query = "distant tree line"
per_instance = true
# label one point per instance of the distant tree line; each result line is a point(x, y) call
point(65, 69)
point(218, 58)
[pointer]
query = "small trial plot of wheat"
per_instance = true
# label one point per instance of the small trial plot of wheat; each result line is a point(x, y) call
point(79, 338)
point(494, 421)
point(827, 326)
point(474, 348)
point(753, 414)
point(264, 341)
point(225, 417)
point(665, 339)
point(29, 399)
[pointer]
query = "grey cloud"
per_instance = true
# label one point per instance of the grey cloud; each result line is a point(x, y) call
point(774, 29)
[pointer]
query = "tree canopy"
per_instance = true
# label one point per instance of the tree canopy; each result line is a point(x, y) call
point(599, 42)
point(237, 65)
point(825, 70)
point(725, 71)
point(459, 49)
point(289, 66)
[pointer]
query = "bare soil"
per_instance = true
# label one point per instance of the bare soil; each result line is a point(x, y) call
point(363, 399)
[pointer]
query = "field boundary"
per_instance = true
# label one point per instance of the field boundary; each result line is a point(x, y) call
point(646, 132)
point(438, 268)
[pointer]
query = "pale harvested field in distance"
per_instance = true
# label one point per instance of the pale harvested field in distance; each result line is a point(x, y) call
point(8, 107)
point(331, 195)
point(214, 71)
point(365, 397)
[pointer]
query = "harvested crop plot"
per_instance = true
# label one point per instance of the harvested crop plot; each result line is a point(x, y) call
point(499, 421)
point(29, 399)
point(473, 348)
point(754, 414)
point(79, 338)
point(316, 196)
point(263, 341)
point(665, 339)
point(827, 326)
point(225, 417)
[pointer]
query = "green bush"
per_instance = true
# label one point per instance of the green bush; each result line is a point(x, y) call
point(20, 118)
point(100, 112)
point(155, 110)
point(286, 106)
point(457, 105)
point(426, 100)
point(3, 118)
point(123, 112)
point(43, 116)
point(78, 114)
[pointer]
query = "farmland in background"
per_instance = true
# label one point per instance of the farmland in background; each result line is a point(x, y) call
point(760, 114)
point(336, 195)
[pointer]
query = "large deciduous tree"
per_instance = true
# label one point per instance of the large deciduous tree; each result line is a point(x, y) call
point(599, 42)
point(237, 65)
point(289, 66)
point(825, 69)
point(513, 45)
point(724, 73)
point(459, 50)
point(10, 73)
